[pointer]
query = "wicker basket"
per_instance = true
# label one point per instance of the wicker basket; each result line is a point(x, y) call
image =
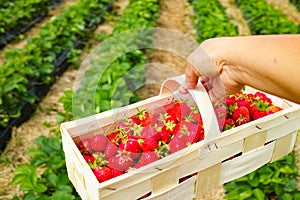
point(257, 143)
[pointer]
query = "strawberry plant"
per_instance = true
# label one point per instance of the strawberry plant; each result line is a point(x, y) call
point(263, 18)
point(277, 180)
point(26, 69)
point(25, 15)
point(47, 157)
point(211, 20)
point(116, 85)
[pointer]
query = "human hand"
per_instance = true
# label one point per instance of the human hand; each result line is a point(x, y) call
point(209, 64)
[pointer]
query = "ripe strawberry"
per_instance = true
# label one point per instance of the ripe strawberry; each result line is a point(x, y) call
point(194, 116)
point(85, 147)
point(221, 114)
point(241, 115)
point(89, 158)
point(131, 144)
point(229, 123)
point(244, 102)
point(149, 144)
point(165, 137)
point(147, 158)
point(179, 110)
point(116, 172)
point(149, 132)
point(170, 127)
point(110, 150)
point(189, 132)
point(102, 173)
point(98, 142)
point(121, 161)
point(230, 100)
point(142, 117)
point(115, 137)
point(263, 97)
point(177, 144)
point(256, 114)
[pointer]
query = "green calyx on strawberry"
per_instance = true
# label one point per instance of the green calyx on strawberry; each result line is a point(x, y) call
point(142, 117)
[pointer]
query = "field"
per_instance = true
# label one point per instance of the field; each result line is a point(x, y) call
point(55, 54)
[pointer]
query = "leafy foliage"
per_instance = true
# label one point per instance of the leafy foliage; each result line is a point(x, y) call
point(296, 3)
point(53, 182)
point(263, 18)
point(116, 85)
point(272, 181)
point(211, 20)
point(34, 64)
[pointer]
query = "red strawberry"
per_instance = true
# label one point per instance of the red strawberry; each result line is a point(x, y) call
point(98, 142)
point(121, 161)
point(102, 173)
point(241, 115)
point(115, 137)
point(165, 137)
point(149, 132)
point(179, 110)
point(116, 172)
point(221, 114)
point(230, 100)
point(131, 144)
point(147, 158)
point(110, 150)
point(256, 114)
point(85, 147)
point(143, 118)
point(170, 127)
point(89, 158)
point(177, 144)
point(229, 123)
point(149, 144)
point(194, 116)
point(244, 102)
point(189, 132)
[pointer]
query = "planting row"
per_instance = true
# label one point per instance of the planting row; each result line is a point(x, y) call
point(211, 20)
point(296, 3)
point(54, 182)
point(16, 17)
point(118, 69)
point(27, 73)
point(263, 18)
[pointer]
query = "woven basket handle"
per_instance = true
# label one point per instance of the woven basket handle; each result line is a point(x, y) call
point(202, 100)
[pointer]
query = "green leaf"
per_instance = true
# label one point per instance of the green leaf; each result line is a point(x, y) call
point(290, 186)
point(259, 194)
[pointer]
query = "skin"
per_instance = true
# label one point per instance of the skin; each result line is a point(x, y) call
point(269, 63)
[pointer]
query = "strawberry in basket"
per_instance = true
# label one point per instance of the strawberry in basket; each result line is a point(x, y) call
point(150, 135)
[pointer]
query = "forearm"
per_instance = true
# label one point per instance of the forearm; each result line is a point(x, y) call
point(268, 63)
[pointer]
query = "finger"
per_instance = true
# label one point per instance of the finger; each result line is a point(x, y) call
point(191, 77)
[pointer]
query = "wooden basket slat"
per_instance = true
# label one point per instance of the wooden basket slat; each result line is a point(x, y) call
point(243, 164)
